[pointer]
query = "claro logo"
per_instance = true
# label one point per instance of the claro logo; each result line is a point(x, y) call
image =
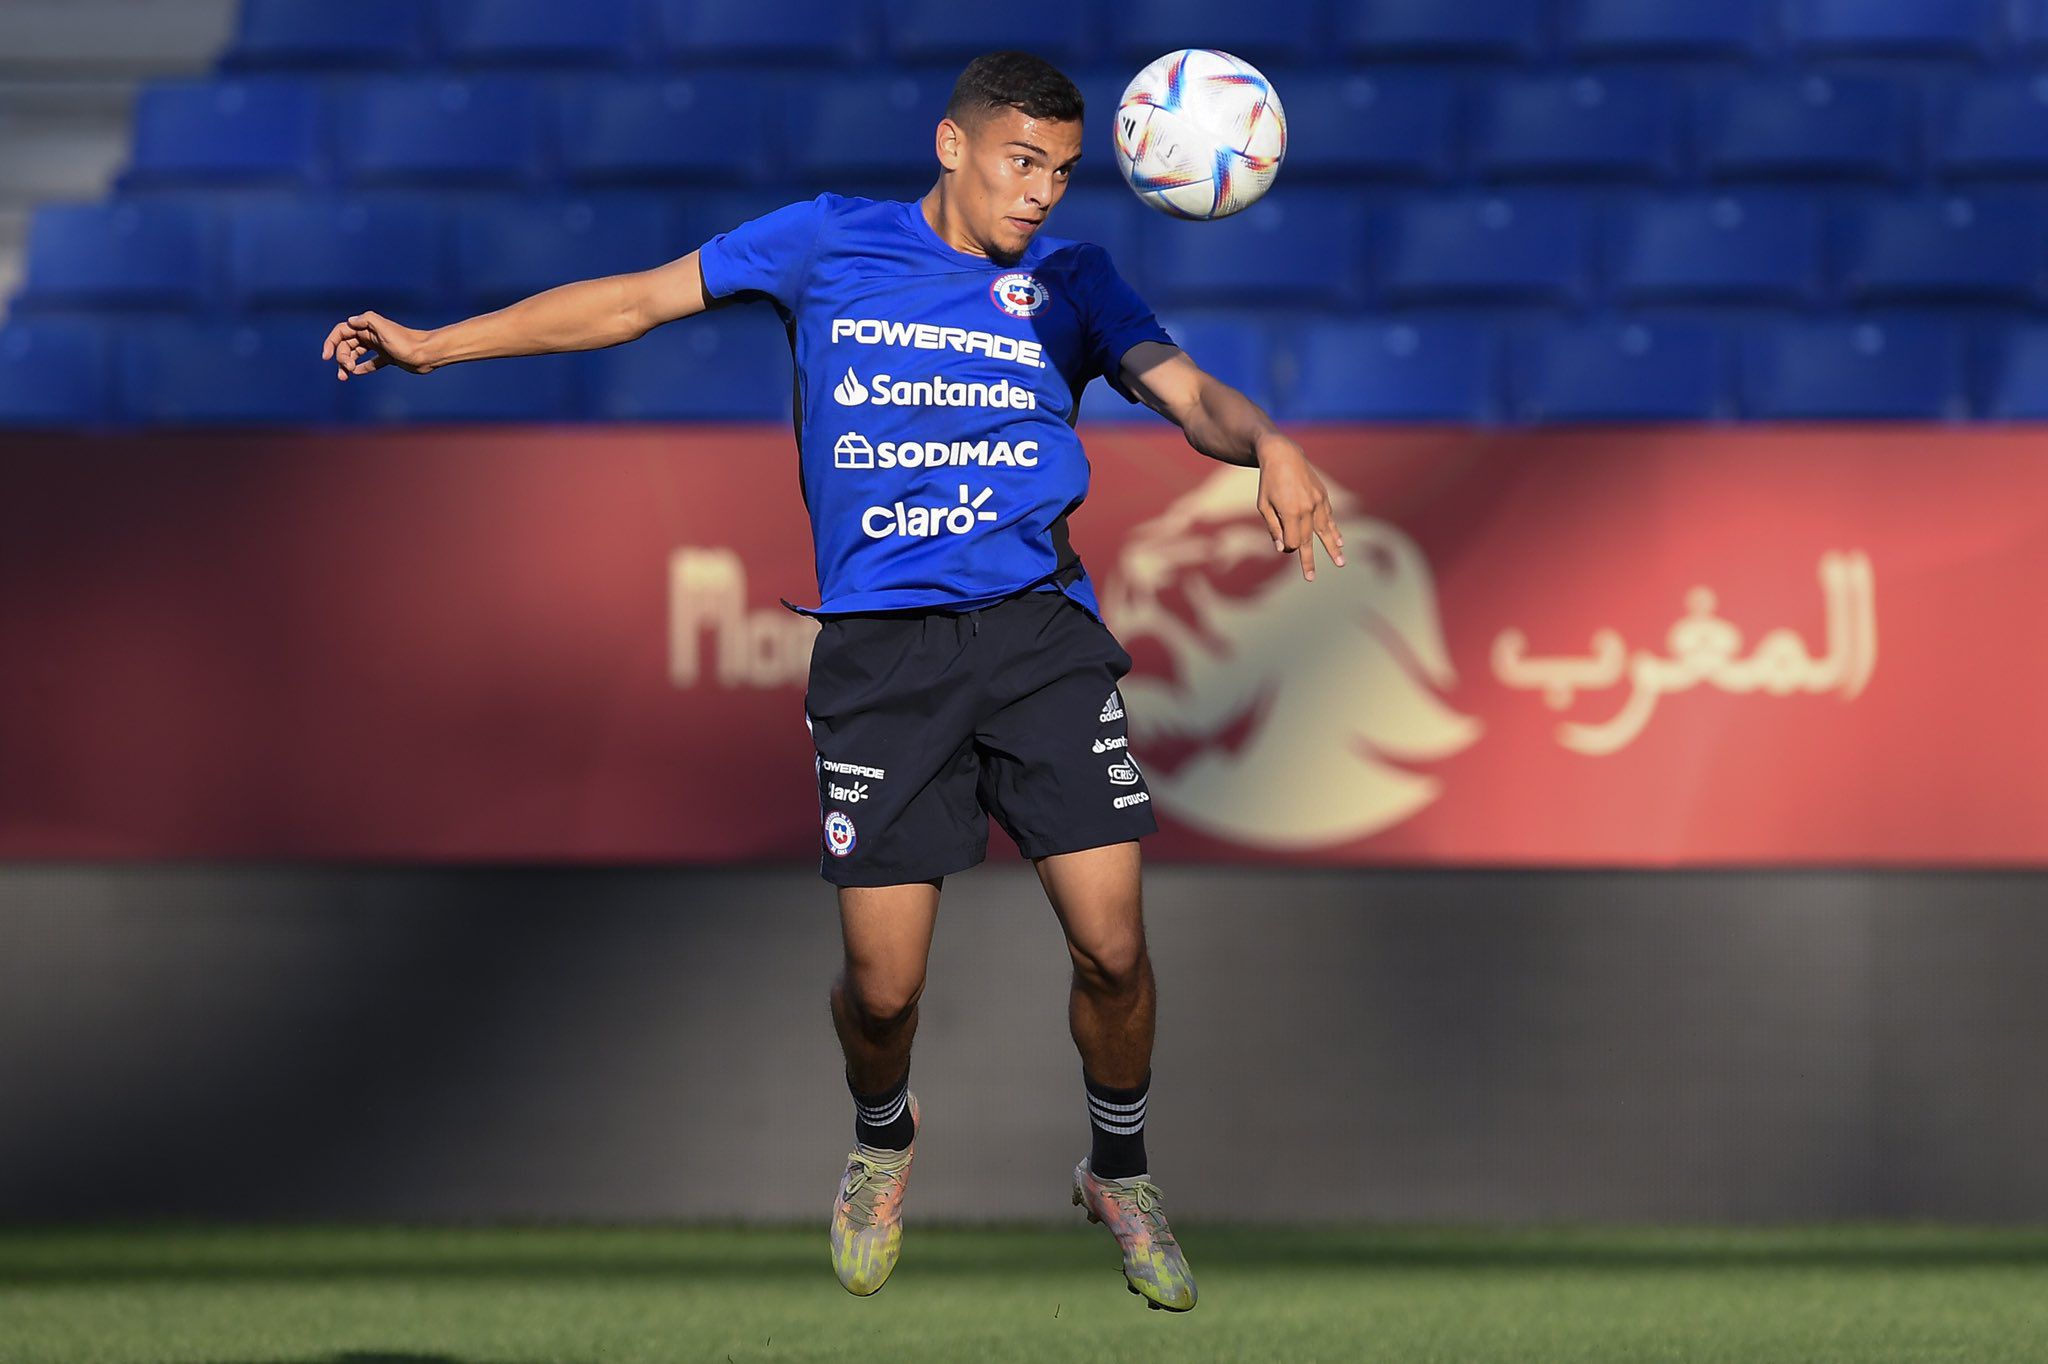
point(921, 521)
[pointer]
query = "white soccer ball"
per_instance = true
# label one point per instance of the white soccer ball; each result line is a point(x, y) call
point(1200, 134)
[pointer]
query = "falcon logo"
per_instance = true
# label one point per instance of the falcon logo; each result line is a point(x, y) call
point(1018, 294)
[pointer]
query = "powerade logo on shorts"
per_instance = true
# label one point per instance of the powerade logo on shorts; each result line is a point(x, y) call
point(871, 331)
point(881, 523)
point(839, 835)
point(1018, 294)
point(888, 391)
point(855, 451)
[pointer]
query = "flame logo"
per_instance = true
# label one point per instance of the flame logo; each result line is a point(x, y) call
point(850, 392)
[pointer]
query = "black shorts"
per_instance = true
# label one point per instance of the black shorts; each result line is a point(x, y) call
point(927, 722)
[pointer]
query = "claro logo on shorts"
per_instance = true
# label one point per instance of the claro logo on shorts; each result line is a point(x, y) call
point(919, 521)
point(870, 331)
point(855, 451)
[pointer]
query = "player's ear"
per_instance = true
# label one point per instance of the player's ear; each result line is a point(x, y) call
point(952, 144)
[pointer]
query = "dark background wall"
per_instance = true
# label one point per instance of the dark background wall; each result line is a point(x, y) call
point(422, 1044)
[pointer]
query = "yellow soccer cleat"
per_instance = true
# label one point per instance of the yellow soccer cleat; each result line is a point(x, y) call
point(867, 1216)
point(1154, 1267)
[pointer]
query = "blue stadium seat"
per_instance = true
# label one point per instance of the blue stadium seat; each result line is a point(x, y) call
point(293, 33)
point(688, 129)
point(533, 388)
point(945, 30)
point(1752, 245)
point(253, 131)
point(1307, 246)
point(211, 373)
point(700, 217)
point(349, 254)
point(1377, 124)
point(1848, 368)
point(1627, 370)
point(539, 32)
point(2016, 375)
point(56, 372)
point(1573, 125)
point(1899, 28)
point(1274, 32)
point(1805, 126)
point(1699, 29)
point(1993, 126)
point(2030, 23)
point(142, 254)
point(1953, 247)
point(1235, 347)
point(1496, 29)
point(729, 365)
point(880, 125)
point(1106, 217)
point(1393, 370)
point(505, 252)
point(715, 32)
point(1522, 246)
point(438, 130)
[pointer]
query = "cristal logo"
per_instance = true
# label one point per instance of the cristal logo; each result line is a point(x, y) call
point(1018, 294)
point(855, 451)
point(850, 392)
point(939, 391)
point(916, 521)
point(1124, 773)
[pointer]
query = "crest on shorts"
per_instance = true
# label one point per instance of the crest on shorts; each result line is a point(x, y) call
point(1018, 294)
point(839, 835)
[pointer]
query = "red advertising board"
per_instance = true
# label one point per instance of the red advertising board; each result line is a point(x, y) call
point(1630, 647)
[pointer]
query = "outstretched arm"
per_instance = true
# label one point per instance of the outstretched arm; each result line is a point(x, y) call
point(1225, 425)
point(587, 315)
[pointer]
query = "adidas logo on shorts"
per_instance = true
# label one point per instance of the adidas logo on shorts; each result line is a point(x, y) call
point(1112, 709)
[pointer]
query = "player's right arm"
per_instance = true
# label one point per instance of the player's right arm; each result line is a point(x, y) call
point(587, 315)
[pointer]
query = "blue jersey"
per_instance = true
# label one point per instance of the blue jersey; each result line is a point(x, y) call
point(936, 397)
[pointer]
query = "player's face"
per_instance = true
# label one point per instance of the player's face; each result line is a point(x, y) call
point(1015, 168)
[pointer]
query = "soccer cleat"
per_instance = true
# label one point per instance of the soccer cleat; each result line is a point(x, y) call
point(1154, 1267)
point(867, 1216)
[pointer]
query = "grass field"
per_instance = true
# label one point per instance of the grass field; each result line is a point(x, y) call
point(569, 1294)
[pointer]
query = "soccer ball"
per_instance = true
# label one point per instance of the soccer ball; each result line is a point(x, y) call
point(1200, 134)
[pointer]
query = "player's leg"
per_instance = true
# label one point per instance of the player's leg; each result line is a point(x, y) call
point(887, 934)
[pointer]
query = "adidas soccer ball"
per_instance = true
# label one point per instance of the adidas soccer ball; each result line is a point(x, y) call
point(1200, 134)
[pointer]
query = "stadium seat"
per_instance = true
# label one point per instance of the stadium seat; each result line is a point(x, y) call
point(716, 32)
point(1991, 127)
point(1897, 28)
point(945, 30)
point(438, 130)
point(56, 372)
point(1503, 30)
point(1235, 347)
point(212, 373)
point(1758, 245)
point(1804, 126)
point(349, 254)
point(1573, 125)
point(697, 218)
point(730, 365)
point(538, 32)
point(292, 33)
point(533, 388)
point(1628, 370)
point(143, 254)
point(1953, 247)
point(2030, 24)
point(1698, 29)
point(878, 125)
point(250, 131)
point(687, 129)
point(504, 252)
point(1106, 217)
point(2016, 374)
point(1848, 368)
point(1307, 246)
point(1522, 246)
point(1274, 32)
point(1368, 123)
point(1392, 370)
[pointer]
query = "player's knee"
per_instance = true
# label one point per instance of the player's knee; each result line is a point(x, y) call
point(881, 1002)
point(1114, 966)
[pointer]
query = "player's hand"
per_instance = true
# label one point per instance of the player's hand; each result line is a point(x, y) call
point(1295, 504)
point(370, 341)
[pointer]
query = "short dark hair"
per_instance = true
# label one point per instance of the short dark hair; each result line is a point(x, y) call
point(1013, 80)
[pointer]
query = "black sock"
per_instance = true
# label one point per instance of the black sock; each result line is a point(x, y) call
point(1116, 1117)
point(883, 1120)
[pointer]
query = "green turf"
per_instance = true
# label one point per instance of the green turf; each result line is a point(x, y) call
point(568, 1294)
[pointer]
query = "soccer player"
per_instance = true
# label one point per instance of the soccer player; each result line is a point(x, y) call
point(961, 667)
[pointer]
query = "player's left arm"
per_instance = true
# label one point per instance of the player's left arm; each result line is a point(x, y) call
point(1225, 425)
